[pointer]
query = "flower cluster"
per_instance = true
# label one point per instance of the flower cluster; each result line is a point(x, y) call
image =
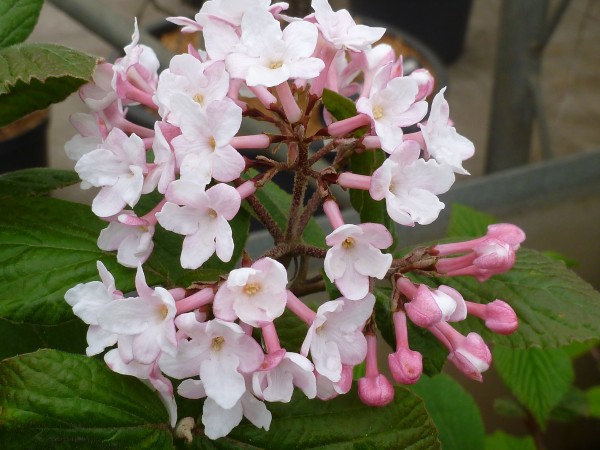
point(260, 64)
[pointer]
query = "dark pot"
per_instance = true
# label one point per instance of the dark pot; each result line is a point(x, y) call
point(23, 143)
point(440, 24)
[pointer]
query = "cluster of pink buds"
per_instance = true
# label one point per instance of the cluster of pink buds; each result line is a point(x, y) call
point(259, 64)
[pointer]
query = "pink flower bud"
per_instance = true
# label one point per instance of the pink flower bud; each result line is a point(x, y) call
point(375, 391)
point(425, 81)
point(494, 255)
point(405, 365)
point(507, 232)
point(498, 315)
point(430, 306)
point(472, 356)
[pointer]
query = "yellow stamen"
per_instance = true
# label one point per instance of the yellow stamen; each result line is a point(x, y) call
point(217, 343)
point(377, 112)
point(348, 243)
point(252, 288)
point(199, 98)
point(212, 143)
point(164, 311)
point(212, 213)
point(276, 65)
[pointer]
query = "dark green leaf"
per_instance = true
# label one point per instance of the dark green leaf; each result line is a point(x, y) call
point(341, 423)
point(544, 294)
point(538, 378)
point(277, 202)
point(593, 396)
point(468, 222)
point(48, 246)
point(35, 182)
point(51, 399)
point(569, 262)
point(508, 407)
point(24, 338)
point(572, 406)
point(339, 106)
point(433, 352)
point(33, 76)
point(453, 411)
point(17, 20)
point(502, 441)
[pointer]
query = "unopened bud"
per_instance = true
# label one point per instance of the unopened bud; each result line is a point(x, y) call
point(375, 391)
point(405, 365)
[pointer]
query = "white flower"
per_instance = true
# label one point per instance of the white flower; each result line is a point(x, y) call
point(335, 336)
point(118, 167)
point(410, 185)
point(268, 57)
point(355, 255)
point(89, 136)
point(391, 105)
point(202, 219)
point(202, 82)
point(442, 141)
point(205, 142)
point(145, 324)
point(87, 301)
point(130, 236)
point(280, 372)
point(341, 31)
point(256, 295)
point(220, 352)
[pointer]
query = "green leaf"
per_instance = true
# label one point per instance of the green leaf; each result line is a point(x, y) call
point(291, 331)
point(593, 396)
point(33, 76)
point(51, 399)
point(277, 202)
point(569, 262)
point(18, 338)
point(538, 378)
point(17, 20)
point(573, 405)
point(451, 408)
point(555, 307)
point(48, 246)
point(502, 441)
point(433, 352)
point(338, 106)
point(368, 209)
point(341, 423)
point(508, 407)
point(468, 222)
point(35, 182)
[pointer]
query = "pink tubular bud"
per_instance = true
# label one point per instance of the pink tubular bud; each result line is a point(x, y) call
point(354, 181)
point(375, 391)
point(195, 301)
point(430, 306)
point(246, 189)
point(270, 337)
point(297, 306)
point(494, 256)
point(498, 315)
point(263, 95)
point(249, 142)
point(425, 82)
point(348, 125)
point(333, 213)
point(507, 232)
point(405, 365)
point(288, 102)
point(371, 142)
point(469, 354)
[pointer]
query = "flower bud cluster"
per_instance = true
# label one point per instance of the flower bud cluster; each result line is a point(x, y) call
point(259, 63)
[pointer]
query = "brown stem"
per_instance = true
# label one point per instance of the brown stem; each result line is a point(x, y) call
point(309, 288)
point(535, 431)
point(309, 210)
point(265, 217)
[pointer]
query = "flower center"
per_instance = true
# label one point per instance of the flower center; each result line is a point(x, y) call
point(199, 98)
point(252, 288)
point(164, 311)
point(348, 243)
point(212, 213)
point(275, 65)
point(143, 228)
point(212, 143)
point(217, 343)
point(377, 112)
